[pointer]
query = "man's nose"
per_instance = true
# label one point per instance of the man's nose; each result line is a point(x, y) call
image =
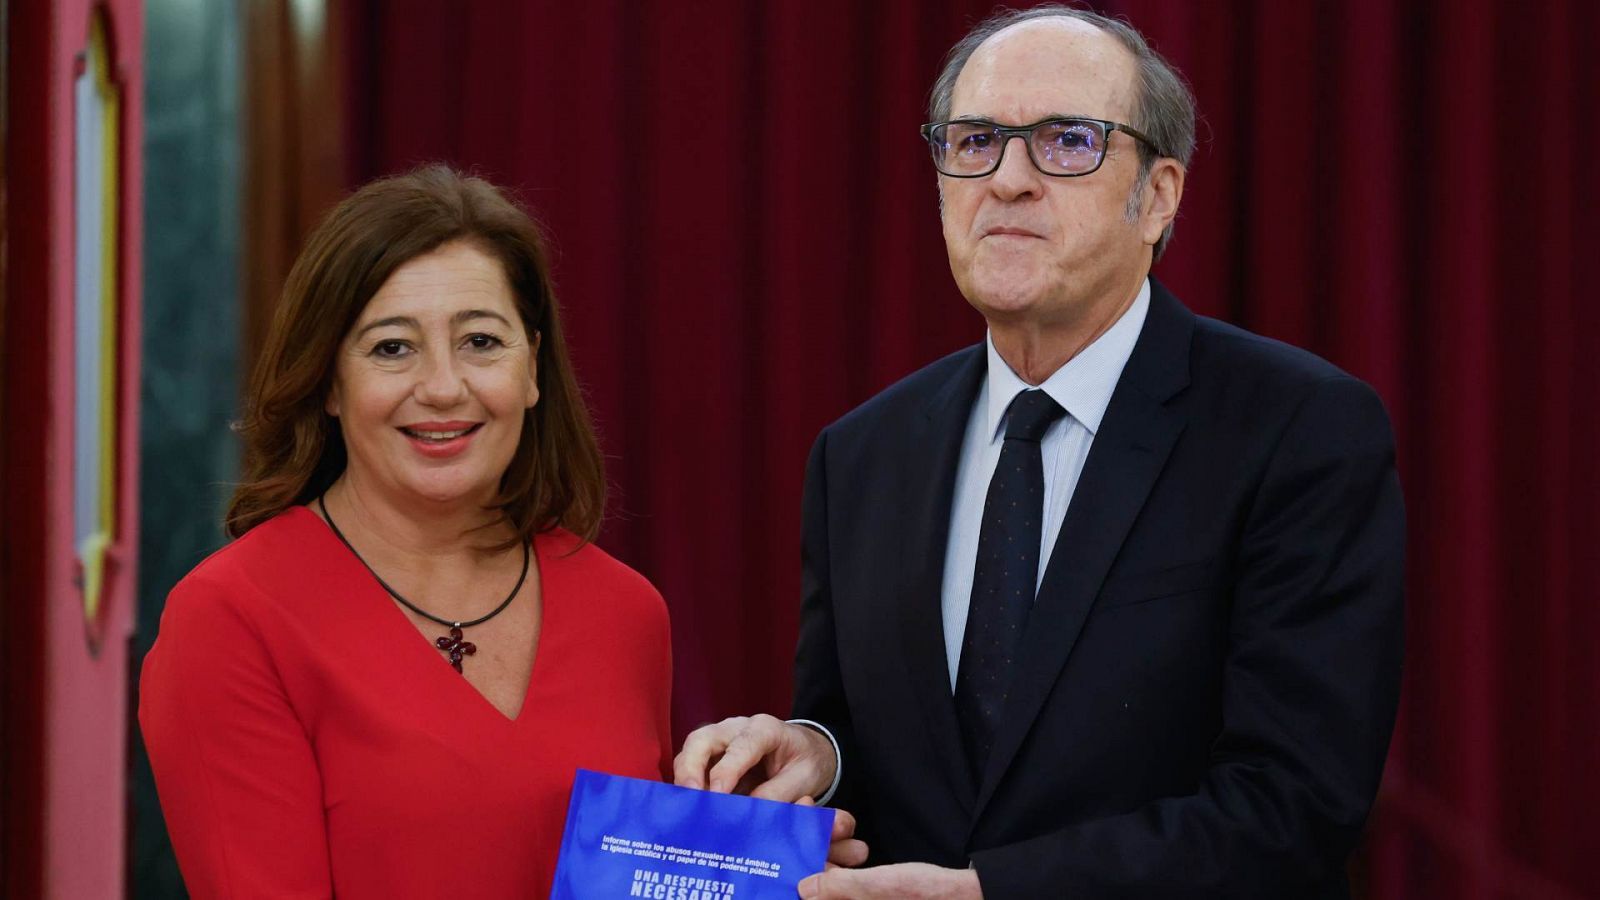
point(1016, 175)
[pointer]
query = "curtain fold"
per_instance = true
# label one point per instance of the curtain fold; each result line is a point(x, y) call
point(748, 246)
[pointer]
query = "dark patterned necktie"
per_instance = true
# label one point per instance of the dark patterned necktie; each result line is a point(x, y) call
point(1004, 580)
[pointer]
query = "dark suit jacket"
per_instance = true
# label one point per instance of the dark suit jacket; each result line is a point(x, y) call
point(1210, 673)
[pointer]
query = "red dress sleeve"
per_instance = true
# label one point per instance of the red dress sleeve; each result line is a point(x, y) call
point(238, 781)
point(663, 700)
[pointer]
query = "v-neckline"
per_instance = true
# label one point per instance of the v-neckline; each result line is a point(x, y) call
point(414, 635)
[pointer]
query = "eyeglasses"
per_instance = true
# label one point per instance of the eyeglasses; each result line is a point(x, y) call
point(1063, 148)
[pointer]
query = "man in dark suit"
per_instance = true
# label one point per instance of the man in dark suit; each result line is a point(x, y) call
point(1110, 605)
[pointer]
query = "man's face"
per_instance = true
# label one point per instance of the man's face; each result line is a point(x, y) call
point(1025, 246)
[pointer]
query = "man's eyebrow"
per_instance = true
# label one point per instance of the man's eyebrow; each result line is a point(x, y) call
point(466, 315)
point(1048, 117)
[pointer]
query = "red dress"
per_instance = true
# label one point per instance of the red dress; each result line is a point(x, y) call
point(307, 741)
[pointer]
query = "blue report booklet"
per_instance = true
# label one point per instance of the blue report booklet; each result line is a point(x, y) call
point(631, 838)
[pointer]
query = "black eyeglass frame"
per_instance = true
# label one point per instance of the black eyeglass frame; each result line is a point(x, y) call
point(1007, 132)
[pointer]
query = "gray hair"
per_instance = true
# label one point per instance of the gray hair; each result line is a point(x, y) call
point(1163, 106)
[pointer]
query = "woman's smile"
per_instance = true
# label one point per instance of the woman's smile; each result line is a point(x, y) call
point(440, 440)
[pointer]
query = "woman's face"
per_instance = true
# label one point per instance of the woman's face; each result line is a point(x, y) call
point(434, 379)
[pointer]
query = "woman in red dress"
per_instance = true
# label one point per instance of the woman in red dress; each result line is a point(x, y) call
point(383, 686)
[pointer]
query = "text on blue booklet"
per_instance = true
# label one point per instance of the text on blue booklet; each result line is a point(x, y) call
point(631, 838)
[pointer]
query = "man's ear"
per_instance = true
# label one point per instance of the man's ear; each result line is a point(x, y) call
point(1163, 193)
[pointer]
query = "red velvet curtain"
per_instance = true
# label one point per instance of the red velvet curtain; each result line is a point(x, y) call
point(748, 246)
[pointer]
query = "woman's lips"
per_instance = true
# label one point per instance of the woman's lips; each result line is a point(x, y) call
point(440, 440)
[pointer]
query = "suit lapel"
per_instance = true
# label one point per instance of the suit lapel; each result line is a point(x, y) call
point(1135, 437)
point(930, 458)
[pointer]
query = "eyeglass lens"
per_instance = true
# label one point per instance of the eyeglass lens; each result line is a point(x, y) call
point(1060, 146)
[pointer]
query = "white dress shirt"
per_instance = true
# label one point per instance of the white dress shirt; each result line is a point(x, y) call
point(1083, 387)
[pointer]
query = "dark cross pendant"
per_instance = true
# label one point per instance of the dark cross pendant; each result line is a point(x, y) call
point(455, 646)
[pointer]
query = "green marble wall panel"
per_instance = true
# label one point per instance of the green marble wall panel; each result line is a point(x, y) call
point(189, 389)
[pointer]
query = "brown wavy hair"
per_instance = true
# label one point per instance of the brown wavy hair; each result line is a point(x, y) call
point(294, 450)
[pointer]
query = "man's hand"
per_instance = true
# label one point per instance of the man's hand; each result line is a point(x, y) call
point(905, 881)
point(844, 849)
point(760, 756)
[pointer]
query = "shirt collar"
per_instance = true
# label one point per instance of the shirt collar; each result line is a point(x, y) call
point(1084, 384)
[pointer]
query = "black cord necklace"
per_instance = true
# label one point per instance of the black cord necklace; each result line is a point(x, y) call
point(451, 643)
